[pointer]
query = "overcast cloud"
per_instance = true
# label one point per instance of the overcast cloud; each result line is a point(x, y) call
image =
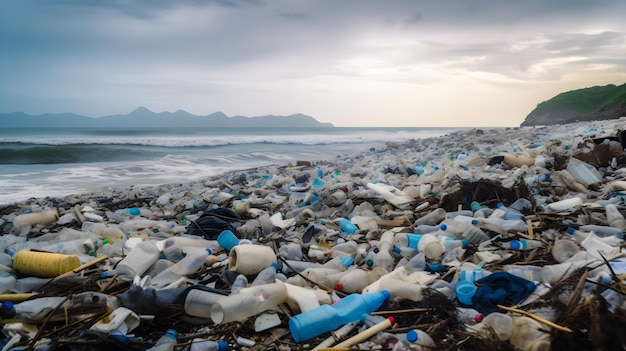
point(350, 62)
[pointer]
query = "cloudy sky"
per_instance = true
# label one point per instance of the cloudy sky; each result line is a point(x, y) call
point(348, 62)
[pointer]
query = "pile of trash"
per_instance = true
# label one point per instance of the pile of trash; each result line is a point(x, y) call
point(482, 239)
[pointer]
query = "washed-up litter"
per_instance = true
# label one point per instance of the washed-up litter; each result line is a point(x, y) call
point(505, 239)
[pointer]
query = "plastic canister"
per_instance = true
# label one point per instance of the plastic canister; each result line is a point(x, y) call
point(250, 259)
point(32, 219)
point(44, 264)
point(139, 260)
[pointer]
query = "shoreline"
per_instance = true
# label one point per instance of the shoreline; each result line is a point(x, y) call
point(312, 215)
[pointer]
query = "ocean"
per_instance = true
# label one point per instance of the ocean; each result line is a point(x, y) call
point(59, 162)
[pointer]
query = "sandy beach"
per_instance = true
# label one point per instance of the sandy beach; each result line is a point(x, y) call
point(312, 213)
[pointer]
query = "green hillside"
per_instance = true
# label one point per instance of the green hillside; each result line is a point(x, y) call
point(594, 103)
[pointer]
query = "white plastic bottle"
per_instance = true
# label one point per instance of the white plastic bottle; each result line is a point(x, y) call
point(140, 258)
point(167, 342)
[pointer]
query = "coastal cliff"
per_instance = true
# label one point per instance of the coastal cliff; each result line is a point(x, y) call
point(588, 104)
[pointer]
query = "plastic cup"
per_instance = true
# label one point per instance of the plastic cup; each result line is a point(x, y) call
point(563, 250)
point(227, 240)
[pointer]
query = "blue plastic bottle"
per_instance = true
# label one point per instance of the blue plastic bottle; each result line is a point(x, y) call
point(325, 318)
point(348, 226)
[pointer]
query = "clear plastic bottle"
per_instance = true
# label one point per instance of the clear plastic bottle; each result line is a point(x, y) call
point(614, 217)
point(167, 342)
point(469, 316)
point(208, 345)
point(433, 218)
point(353, 281)
point(171, 251)
point(603, 231)
point(266, 276)
point(407, 240)
point(420, 340)
point(522, 244)
point(325, 318)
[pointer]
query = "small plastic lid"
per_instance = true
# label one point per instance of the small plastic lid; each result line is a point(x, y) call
point(570, 230)
point(474, 221)
point(479, 317)
point(275, 265)
point(465, 243)
point(500, 205)
point(369, 262)
point(339, 286)
point(412, 336)
point(346, 260)
point(396, 249)
point(222, 346)
point(392, 320)
point(386, 294)
point(171, 333)
point(209, 251)
point(7, 305)
point(516, 244)
point(443, 226)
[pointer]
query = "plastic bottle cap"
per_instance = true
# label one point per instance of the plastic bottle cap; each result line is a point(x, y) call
point(369, 262)
point(172, 333)
point(339, 286)
point(443, 226)
point(465, 243)
point(515, 245)
point(412, 336)
point(396, 249)
point(570, 230)
point(474, 221)
point(7, 305)
point(346, 261)
point(479, 317)
point(392, 320)
point(386, 294)
point(209, 251)
point(275, 265)
point(222, 346)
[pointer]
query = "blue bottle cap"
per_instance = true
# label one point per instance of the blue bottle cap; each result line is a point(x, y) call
point(500, 205)
point(275, 265)
point(222, 346)
point(570, 230)
point(466, 243)
point(515, 245)
point(412, 336)
point(396, 249)
point(474, 222)
point(346, 260)
point(208, 250)
point(172, 333)
point(443, 226)
point(386, 294)
point(7, 305)
point(134, 211)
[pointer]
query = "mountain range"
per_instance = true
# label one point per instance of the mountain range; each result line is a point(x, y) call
point(142, 118)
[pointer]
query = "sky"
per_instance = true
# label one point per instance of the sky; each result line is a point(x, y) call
point(411, 63)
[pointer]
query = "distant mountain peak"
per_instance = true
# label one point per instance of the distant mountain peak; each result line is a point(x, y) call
point(142, 117)
point(141, 110)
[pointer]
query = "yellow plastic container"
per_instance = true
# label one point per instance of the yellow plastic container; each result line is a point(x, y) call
point(44, 264)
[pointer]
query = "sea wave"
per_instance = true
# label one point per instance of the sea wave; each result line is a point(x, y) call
point(373, 136)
